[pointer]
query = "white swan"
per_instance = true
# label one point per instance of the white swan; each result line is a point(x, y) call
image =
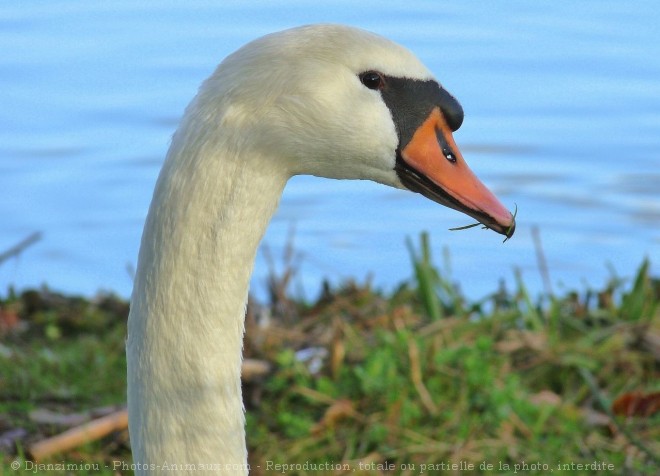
point(325, 100)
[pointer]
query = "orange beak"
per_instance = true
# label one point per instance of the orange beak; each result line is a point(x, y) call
point(432, 165)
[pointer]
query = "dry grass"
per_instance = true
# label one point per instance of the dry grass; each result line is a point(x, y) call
point(372, 384)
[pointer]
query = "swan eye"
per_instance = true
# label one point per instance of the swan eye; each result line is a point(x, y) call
point(372, 80)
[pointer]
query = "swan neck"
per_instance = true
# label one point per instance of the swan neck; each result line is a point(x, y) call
point(184, 347)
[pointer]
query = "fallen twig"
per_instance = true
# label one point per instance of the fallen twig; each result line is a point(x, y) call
point(116, 421)
point(20, 246)
point(253, 369)
point(90, 431)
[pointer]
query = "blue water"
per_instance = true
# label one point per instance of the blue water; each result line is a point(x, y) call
point(562, 109)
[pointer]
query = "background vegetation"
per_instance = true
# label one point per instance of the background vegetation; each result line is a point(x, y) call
point(377, 384)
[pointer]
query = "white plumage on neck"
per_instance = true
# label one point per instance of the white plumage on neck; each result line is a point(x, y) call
point(210, 209)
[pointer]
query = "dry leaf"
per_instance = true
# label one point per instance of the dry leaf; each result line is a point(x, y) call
point(545, 397)
point(9, 320)
point(637, 404)
point(339, 410)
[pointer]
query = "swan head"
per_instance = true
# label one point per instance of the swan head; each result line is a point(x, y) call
point(340, 102)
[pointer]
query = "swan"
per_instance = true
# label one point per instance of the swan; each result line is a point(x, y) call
point(326, 100)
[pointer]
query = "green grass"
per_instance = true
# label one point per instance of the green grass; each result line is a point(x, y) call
point(411, 381)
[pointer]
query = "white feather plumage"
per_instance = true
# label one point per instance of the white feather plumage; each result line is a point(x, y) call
point(288, 103)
